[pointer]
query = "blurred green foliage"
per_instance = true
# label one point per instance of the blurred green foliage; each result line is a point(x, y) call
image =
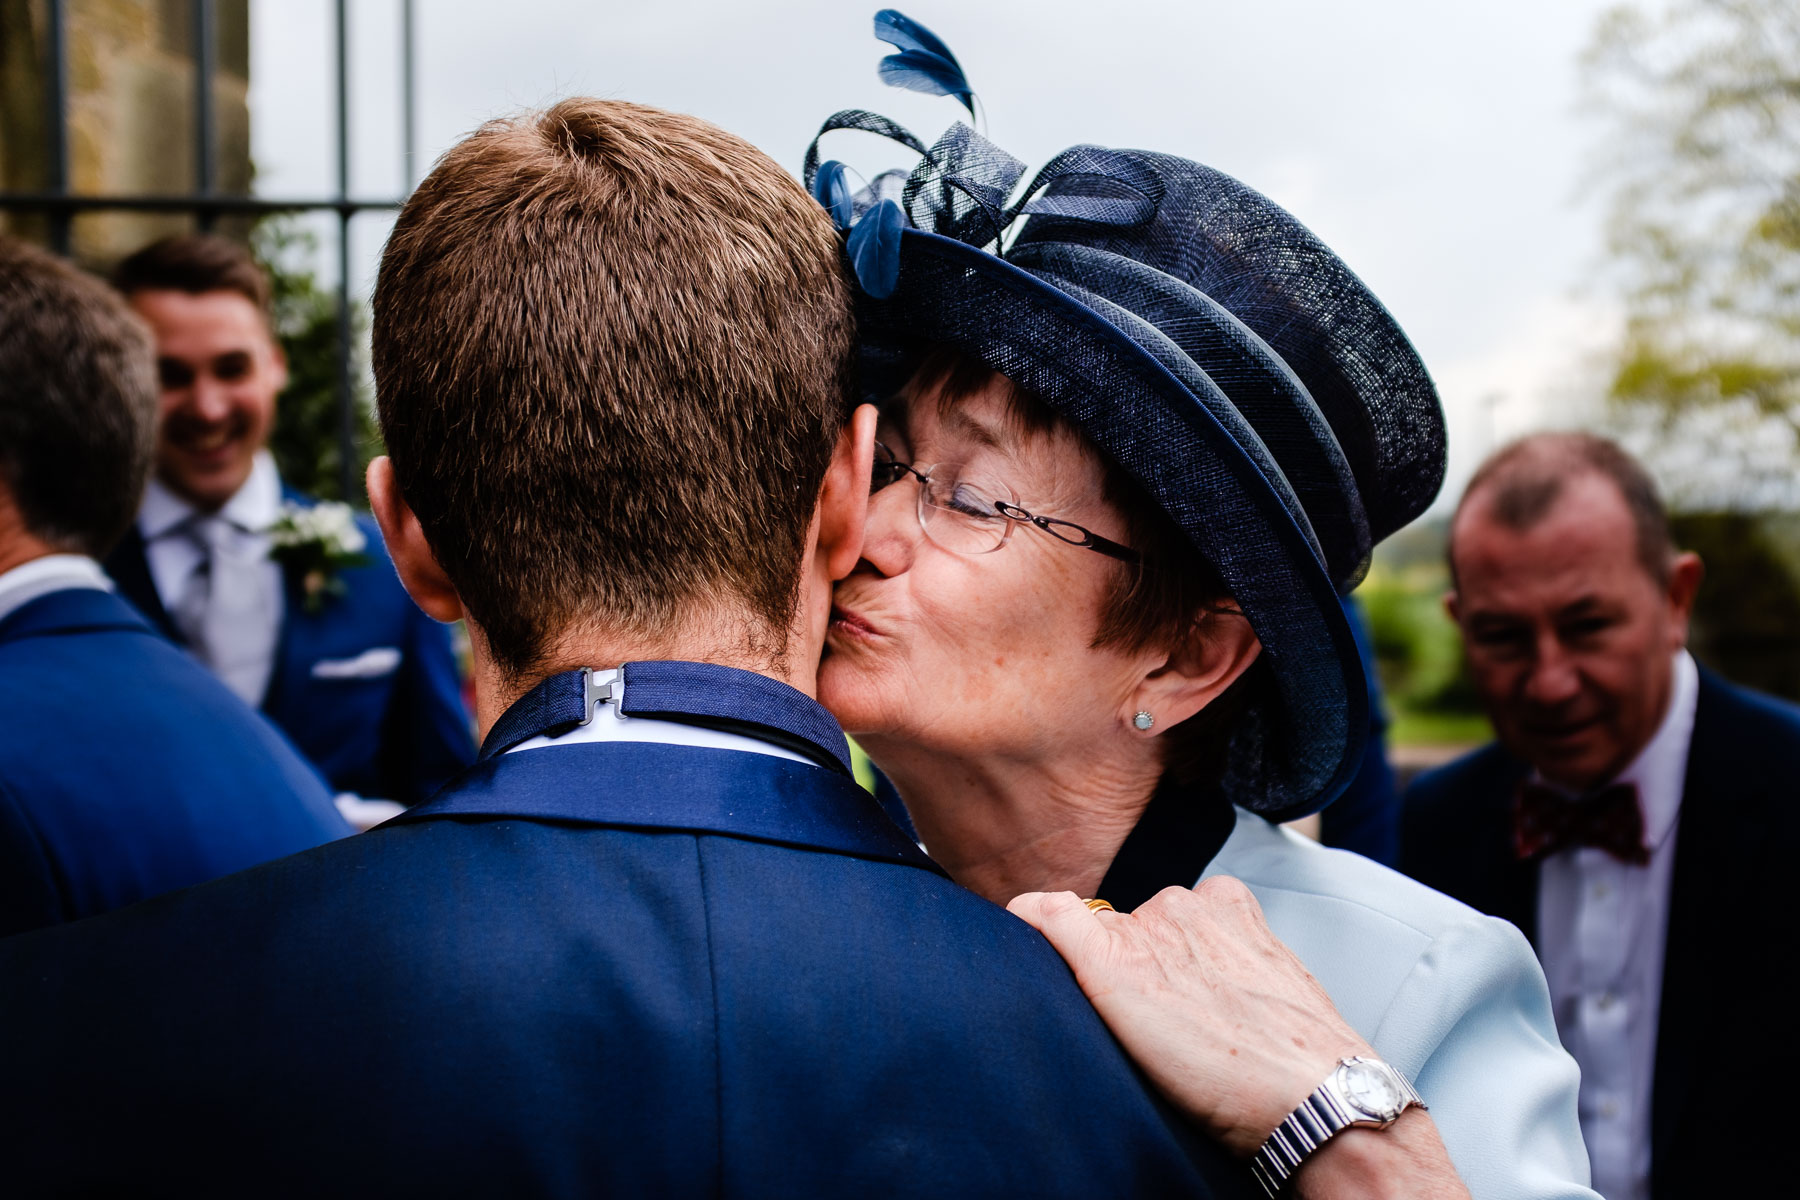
point(1700, 172)
point(306, 440)
point(1418, 655)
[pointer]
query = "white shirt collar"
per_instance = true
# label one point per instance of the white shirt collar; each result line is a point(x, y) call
point(611, 725)
point(51, 573)
point(1660, 769)
point(253, 507)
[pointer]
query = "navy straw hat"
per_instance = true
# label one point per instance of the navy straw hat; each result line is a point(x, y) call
point(1204, 340)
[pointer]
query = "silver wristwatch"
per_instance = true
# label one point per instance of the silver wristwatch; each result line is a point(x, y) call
point(1359, 1092)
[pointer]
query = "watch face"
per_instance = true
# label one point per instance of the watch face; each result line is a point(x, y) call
point(1372, 1088)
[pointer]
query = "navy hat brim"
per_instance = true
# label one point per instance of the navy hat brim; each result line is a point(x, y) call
point(1157, 415)
point(1261, 385)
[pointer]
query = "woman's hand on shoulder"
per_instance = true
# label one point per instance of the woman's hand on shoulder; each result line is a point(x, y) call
point(1233, 1028)
point(1215, 1009)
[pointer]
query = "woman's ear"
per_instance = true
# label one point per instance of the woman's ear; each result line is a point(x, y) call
point(420, 574)
point(1218, 649)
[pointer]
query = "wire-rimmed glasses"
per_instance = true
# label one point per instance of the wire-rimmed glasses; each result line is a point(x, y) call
point(969, 513)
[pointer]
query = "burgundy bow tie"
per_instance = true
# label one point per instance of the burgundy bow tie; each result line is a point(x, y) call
point(1545, 821)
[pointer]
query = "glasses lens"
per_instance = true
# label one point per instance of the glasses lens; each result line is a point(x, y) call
point(959, 514)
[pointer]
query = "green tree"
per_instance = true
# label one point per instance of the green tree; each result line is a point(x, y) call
point(1701, 171)
point(306, 441)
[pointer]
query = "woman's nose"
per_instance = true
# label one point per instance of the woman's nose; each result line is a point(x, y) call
point(892, 535)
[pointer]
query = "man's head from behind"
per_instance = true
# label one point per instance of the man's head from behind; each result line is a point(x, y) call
point(611, 350)
point(220, 367)
point(77, 408)
point(1572, 602)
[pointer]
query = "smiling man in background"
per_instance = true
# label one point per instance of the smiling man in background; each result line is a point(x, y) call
point(1636, 817)
point(126, 770)
point(362, 681)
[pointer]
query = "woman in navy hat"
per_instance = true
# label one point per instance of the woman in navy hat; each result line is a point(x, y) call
point(1140, 431)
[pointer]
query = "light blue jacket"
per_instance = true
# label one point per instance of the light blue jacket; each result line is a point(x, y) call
point(1453, 999)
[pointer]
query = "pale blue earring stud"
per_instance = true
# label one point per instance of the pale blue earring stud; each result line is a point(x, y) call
point(1143, 720)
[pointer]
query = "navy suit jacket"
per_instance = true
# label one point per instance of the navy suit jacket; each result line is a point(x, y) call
point(397, 731)
point(126, 770)
point(621, 969)
point(1723, 1054)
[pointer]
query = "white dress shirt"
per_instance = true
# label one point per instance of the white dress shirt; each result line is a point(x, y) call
point(611, 725)
point(174, 556)
point(1453, 999)
point(51, 573)
point(1602, 925)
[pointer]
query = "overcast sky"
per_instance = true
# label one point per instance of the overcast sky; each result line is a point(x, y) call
point(1437, 147)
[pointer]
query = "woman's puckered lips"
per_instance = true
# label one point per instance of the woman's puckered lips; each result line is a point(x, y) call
point(846, 621)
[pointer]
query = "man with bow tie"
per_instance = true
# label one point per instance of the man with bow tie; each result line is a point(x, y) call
point(1635, 817)
point(327, 646)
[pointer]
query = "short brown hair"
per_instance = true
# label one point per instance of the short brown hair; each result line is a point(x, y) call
point(1527, 477)
point(1157, 603)
point(195, 263)
point(77, 401)
point(612, 353)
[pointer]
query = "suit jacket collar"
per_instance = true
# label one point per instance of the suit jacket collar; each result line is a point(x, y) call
point(129, 567)
point(1502, 884)
point(1695, 958)
point(72, 610)
point(663, 788)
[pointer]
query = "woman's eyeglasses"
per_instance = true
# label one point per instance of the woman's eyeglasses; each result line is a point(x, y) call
point(967, 514)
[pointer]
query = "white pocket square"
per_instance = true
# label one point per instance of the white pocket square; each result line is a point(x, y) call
point(372, 663)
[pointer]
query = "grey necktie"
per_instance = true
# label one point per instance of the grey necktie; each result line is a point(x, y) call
point(224, 611)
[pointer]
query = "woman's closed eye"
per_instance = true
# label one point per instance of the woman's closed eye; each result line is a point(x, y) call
point(968, 500)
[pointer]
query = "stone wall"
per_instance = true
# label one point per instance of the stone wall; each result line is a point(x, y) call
point(130, 70)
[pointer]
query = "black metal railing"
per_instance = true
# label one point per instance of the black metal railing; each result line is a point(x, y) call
point(59, 205)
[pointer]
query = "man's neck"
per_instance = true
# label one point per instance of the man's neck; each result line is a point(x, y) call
point(18, 545)
point(16, 552)
point(726, 641)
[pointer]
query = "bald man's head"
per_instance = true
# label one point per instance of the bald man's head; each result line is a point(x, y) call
point(1520, 484)
point(1572, 604)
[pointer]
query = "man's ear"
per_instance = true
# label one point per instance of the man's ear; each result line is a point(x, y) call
point(278, 362)
point(1453, 606)
point(1216, 653)
point(844, 501)
point(1685, 574)
point(417, 566)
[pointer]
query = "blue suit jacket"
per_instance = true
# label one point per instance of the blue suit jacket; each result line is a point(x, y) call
point(126, 770)
point(581, 970)
point(397, 731)
point(1727, 957)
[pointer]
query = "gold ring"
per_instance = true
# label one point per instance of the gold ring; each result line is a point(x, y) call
point(1099, 905)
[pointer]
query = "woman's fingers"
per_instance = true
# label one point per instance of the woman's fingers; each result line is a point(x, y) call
point(1078, 932)
point(1206, 999)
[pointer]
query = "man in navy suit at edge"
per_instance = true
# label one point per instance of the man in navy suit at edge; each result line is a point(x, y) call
point(657, 941)
point(1636, 817)
point(125, 769)
point(364, 683)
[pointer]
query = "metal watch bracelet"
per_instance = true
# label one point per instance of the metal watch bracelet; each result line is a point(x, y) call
point(1359, 1091)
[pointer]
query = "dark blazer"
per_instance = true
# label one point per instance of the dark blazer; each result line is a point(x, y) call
point(625, 969)
point(367, 687)
point(126, 770)
point(1718, 1059)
